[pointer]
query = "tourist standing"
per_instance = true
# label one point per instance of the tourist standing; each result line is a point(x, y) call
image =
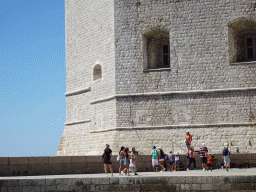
point(209, 162)
point(170, 158)
point(155, 157)
point(226, 156)
point(121, 160)
point(161, 159)
point(188, 138)
point(134, 160)
point(192, 158)
point(107, 159)
point(202, 151)
point(126, 161)
point(176, 162)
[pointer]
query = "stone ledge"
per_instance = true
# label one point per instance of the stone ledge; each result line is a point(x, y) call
point(208, 91)
point(78, 122)
point(78, 91)
point(177, 126)
point(244, 63)
point(156, 70)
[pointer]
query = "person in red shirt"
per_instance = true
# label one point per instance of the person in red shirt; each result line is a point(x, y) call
point(209, 162)
point(188, 138)
point(192, 158)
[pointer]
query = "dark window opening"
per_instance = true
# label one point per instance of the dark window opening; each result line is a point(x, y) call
point(156, 50)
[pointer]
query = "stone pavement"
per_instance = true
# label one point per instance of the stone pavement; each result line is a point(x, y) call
point(217, 180)
point(215, 172)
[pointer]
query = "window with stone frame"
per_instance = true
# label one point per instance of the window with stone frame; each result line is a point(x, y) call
point(242, 40)
point(97, 72)
point(156, 49)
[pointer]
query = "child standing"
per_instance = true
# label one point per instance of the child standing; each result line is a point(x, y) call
point(209, 162)
point(170, 157)
point(177, 161)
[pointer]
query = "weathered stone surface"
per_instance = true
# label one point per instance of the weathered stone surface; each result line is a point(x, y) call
point(129, 102)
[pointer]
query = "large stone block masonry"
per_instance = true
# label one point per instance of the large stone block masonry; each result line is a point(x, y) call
point(122, 89)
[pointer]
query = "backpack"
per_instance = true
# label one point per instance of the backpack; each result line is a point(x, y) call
point(225, 151)
point(154, 154)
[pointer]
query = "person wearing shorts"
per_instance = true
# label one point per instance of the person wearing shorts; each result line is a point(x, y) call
point(121, 160)
point(203, 158)
point(170, 157)
point(209, 162)
point(176, 162)
point(126, 161)
point(188, 138)
point(161, 159)
point(227, 157)
point(155, 157)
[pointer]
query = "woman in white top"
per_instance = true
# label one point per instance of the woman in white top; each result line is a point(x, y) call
point(134, 160)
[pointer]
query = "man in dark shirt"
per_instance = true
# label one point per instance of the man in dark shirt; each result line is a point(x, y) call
point(202, 151)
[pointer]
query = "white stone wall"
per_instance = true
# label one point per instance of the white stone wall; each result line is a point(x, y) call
point(89, 41)
point(110, 33)
point(198, 31)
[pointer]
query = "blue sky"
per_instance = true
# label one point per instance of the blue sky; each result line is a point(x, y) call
point(32, 77)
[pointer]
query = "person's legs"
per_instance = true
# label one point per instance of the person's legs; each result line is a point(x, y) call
point(170, 166)
point(135, 168)
point(189, 162)
point(153, 165)
point(188, 146)
point(161, 163)
point(105, 168)
point(194, 161)
point(111, 169)
point(127, 169)
point(121, 167)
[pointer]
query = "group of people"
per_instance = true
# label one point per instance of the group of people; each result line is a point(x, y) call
point(127, 159)
point(205, 159)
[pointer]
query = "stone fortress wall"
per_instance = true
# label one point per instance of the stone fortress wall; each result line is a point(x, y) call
point(209, 86)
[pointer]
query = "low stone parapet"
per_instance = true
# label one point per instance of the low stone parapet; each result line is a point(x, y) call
point(59, 165)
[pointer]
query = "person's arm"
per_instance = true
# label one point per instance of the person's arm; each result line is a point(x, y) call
point(110, 156)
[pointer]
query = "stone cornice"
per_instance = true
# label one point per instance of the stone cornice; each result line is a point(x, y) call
point(78, 122)
point(177, 126)
point(78, 91)
point(208, 91)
